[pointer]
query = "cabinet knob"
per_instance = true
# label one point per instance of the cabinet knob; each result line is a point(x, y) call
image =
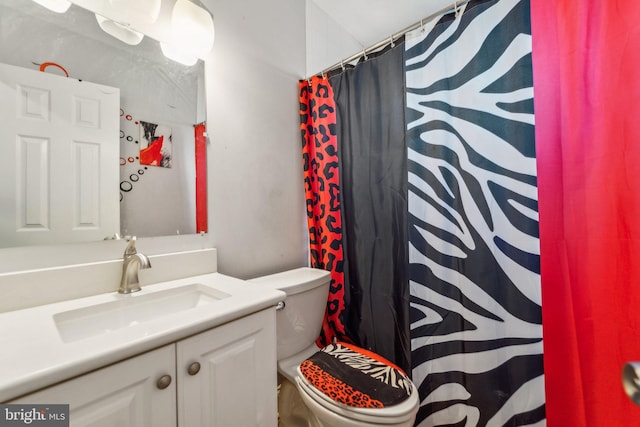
point(163, 382)
point(194, 368)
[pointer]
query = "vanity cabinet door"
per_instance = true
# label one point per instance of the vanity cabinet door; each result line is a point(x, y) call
point(125, 394)
point(228, 376)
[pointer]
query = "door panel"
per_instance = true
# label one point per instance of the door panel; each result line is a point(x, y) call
point(60, 174)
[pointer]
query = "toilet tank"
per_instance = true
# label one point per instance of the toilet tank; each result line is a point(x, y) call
point(298, 324)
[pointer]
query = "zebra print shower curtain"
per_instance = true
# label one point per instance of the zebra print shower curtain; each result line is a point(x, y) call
point(476, 325)
point(437, 207)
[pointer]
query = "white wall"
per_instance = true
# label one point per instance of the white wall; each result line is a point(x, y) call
point(327, 41)
point(256, 195)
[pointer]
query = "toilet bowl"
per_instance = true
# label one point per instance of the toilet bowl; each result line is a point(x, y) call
point(298, 324)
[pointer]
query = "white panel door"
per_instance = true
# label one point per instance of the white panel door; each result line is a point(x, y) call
point(60, 142)
point(236, 384)
point(125, 394)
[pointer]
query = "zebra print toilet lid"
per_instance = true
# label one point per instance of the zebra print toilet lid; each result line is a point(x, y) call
point(356, 377)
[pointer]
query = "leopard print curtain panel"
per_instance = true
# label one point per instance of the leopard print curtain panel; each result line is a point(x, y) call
point(322, 189)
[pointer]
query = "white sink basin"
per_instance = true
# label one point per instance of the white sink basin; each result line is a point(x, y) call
point(131, 310)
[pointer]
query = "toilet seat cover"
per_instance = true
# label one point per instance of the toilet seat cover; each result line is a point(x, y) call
point(356, 377)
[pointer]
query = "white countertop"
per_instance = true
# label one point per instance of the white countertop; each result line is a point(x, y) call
point(33, 355)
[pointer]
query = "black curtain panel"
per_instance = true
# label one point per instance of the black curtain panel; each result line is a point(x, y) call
point(373, 178)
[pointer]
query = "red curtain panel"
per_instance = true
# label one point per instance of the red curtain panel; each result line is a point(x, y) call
point(201, 178)
point(322, 191)
point(586, 59)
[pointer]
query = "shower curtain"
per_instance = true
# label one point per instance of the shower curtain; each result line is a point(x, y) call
point(474, 272)
point(322, 193)
point(507, 224)
point(424, 159)
point(372, 155)
point(586, 62)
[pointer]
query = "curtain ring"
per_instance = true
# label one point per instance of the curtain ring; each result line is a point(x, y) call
point(342, 65)
point(392, 43)
point(324, 76)
point(455, 5)
point(422, 26)
point(44, 66)
point(309, 81)
point(364, 54)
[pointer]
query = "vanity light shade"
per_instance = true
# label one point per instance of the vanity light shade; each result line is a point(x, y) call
point(176, 53)
point(119, 31)
point(136, 11)
point(192, 33)
point(59, 6)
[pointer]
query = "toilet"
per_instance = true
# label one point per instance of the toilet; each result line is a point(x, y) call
point(309, 376)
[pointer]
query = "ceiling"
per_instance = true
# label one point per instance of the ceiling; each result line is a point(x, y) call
point(370, 21)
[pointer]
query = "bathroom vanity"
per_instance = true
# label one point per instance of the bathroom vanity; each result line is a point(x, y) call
point(198, 351)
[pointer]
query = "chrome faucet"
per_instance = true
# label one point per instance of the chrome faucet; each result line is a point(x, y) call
point(133, 262)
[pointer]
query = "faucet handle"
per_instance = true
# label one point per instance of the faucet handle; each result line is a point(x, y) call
point(131, 247)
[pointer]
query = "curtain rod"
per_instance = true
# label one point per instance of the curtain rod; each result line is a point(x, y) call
point(453, 7)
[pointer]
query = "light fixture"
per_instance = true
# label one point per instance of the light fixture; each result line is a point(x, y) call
point(191, 34)
point(174, 52)
point(119, 31)
point(59, 6)
point(138, 11)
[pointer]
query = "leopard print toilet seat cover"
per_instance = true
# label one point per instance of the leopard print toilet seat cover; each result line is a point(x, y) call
point(356, 377)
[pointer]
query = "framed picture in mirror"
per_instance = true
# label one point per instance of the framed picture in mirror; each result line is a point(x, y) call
point(155, 144)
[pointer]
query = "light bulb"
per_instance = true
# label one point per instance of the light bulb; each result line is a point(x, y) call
point(177, 54)
point(134, 11)
point(119, 31)
point(191, 35)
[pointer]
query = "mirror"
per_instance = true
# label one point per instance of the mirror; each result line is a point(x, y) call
point(156, 199)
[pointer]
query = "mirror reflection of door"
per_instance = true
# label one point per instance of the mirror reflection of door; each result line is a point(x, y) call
point(59, 158)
